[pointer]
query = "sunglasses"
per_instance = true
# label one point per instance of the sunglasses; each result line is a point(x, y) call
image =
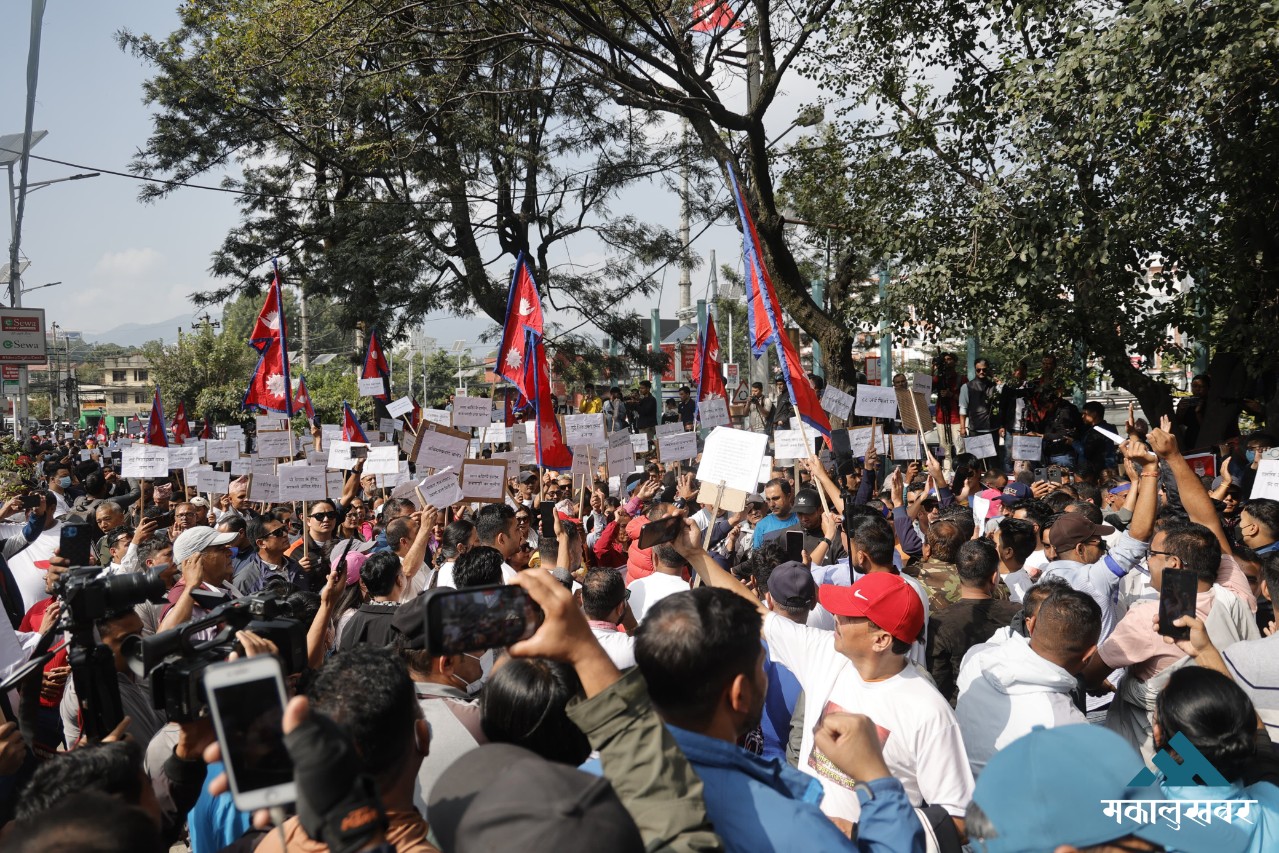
point(324, 516)
point(279, 531)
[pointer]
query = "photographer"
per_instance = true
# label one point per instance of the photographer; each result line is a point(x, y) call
point(42, 511)
point(135, 696)
point(205, 559)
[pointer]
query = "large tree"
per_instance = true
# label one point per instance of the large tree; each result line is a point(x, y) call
point(398, 163)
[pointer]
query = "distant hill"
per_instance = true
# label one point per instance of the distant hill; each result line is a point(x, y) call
point(137, 334)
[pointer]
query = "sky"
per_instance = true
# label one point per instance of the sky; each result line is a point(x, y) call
point(122, 261)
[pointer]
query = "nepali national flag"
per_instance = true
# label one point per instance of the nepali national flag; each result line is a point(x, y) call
point(712, 16)
point(302, 402)
point(181, 429)
point(764, 316)
point(522, 328)
point(269, 386)
point(101, 434)
point(207, 431)
point(377, 367)
point(155, 427)
point(552, 452)
point(351, 429)
point(708, 375)
point(414, 418)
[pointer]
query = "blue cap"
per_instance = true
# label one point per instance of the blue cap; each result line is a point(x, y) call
point(1050, 787)
point(1016, 491)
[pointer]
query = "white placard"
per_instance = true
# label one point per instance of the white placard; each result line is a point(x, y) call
point(713, 412)
point(265, 488)
point(512, 458)
point(441, 450)
point(472, 411)
point(1266, 484)
point(438, 416)
point(388, 426)
point(335, 482)
point(266, 423)
point(275, 445)
point(790, 444)
point(875, 401)
point(399, 408)
point(195, 473)
point(372, 387)
point(234, 433)
point(669, 429)
point(144, 460)
point(837, 402)
point(906, 446)
point(317, 457)
point(679, 446)
point(859, 440)
point(484, 479)
point(340, 455)
point(215, 482)
point(765, 470)
point(382, 460)
point(399, 477)
point(303, 483)
point(584, 461)
point(734, 457)
point(621, 457)
point(261, 466)
point(922, 383)
point(241, 465)
point(981, 506)
point(184, 456)
point(639, 442)
point(580, 430)
point(222, 451)
point(441, 489)
point(981, 446)
point(496, 433)
point(1026, 448)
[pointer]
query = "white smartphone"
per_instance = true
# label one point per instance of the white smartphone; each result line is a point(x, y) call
point(246, 698)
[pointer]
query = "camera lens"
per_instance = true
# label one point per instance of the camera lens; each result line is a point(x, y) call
point(127, 590)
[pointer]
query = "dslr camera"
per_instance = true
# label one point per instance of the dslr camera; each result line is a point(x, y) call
point(174, 661)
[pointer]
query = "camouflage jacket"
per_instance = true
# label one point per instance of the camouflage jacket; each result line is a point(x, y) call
point(942, 582)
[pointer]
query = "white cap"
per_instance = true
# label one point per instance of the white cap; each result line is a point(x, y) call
point(196, 539)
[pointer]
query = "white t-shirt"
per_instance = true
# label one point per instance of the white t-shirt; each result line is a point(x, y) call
point(446, 575)
point(619, 646)
point(649, 590)
point(917, 728)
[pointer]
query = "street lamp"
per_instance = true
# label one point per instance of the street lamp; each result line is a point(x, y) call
point(41, 286)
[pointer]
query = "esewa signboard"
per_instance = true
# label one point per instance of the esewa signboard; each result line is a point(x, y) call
point(22, 336)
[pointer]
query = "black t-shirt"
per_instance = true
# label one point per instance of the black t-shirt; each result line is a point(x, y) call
point(956, 629)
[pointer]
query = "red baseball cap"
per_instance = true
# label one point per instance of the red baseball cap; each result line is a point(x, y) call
point(882, 597)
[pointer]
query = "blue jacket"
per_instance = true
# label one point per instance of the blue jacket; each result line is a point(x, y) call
point(759, 806)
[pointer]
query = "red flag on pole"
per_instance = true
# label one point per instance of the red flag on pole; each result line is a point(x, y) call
point(523, 324)
point(712, 16)
point(181, 430)
point(351, 429)
point(708, 374)
point(764, 316)
point(101, 434)
point(376, 366)
point(414, 418)
point(552, 452)
point(155, 427)
point(269, 386)
point(302, 402)
point(207, 431)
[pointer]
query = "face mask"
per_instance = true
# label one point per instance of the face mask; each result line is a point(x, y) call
point(1252, 456)
point(65, 482)
point(486, 664)
point(235, 551)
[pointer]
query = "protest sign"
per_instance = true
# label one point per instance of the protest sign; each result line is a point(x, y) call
point(713, 412)
point(261, 466)
point(275, 445)
point(584, 430)
point(399, 408)
point(981, 446)
point(765, 470)
point(669, 429)
point(268, 423)
point(441, 489)
point(1026, 448)
point(472, 411)
point(399, 476)
point(913, 411)
point(639, 442)
point(790, 444)
point(496, 433)
point(144, 460)
point(671, 448)
point(906, 446)
point(922, 383)
point(334, 482)
point(441, 448)
point(184, 456)
point(382, 460)
point(215, 482)
point(241, 465)
point(874, 401)
point(620, 458)
point(837, 403)
point(734, 457)
point(1266, 485)
point(265, 488)
point(981, 506)
point(226, 450)
point(438, 416)
point(388, 426)
point(484, 480)
point(372, 387)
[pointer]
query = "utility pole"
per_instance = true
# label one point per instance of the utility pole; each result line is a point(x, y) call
point(758, 367)
point(306, 328)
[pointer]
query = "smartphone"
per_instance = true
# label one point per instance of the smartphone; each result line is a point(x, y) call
point(1177, 596)
point(1054, 474)
point(795, 545)
point(75, 544)
point(359, 451)
point(31, 500)
point(485, 617)
point(547, 509)
point(663, 530)
point(840, 444)
point(246, 700)
point(117, 459)
point(1041, 474)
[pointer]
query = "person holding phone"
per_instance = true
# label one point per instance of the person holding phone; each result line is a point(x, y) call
point(1222, 599)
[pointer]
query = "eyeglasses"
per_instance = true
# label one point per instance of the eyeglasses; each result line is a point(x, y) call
point(279, 531)
point(1152, 552)
point(523, 519)
point(324, 516)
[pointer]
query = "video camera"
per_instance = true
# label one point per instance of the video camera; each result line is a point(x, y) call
point(174, 661)
point(88, 595)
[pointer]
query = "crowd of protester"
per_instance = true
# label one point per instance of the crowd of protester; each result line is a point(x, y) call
point(924, 677)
